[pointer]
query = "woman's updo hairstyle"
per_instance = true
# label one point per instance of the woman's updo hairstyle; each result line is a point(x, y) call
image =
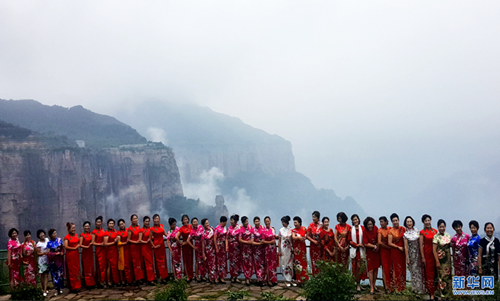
point(285, 219)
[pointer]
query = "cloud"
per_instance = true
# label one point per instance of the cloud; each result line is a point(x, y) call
point(157, 135)
point(206, 188)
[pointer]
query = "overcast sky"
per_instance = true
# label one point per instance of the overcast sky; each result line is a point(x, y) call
point(379, 98)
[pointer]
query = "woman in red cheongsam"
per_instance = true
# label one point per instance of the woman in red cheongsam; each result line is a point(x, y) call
point(259, 251)
point(370, 240)
point(234, 248)
point(174, 245)
point(100, 250)
point(187, 251)
point(314, 236)
point(71, 245)
point(134, 239)
point(246, 240)
point(342, 230)
point(327, 240)
point(385, 254)
point(111, 240)
point(159, 249)
point(299, 235)
point(270, 237)
point(426, 237)
point(221, 249)
point(398, 254)
point(87, 255)
point(147, 250)
point(208, 247)
point(358, 251)
point(195, 241)
point(124, 259)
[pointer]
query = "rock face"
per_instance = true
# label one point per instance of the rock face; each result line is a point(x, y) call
point(220, 208)
point(42, 188)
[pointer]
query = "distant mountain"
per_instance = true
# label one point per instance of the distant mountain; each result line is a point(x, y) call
point(76, 123)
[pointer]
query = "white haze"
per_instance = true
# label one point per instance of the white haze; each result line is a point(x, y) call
point(157, 135)
point(382, 100)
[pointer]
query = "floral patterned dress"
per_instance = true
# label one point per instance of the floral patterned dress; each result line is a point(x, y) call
point(56, 262)
point(29, 262)
point(247, 234)
point(443, 242)
point(328, 243)
point(196, 236)
point(234, 253)
point(490, 256)
point(460, 254)
point(416, 266)
point(43, 261)
point(315, 250)
point(211, 264)
point(286, 258)
point(473, 251)
point(259, 254)
point(221, 254)
point(176, 253)
point(15, 248)
point(342, 257)
point(271, 254)
point(300, 255)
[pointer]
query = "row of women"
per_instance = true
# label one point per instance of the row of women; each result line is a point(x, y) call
point(138, 254)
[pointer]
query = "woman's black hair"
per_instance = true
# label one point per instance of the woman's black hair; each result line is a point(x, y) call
point(316, 214)
point(325, 218)
point(409, 217)
point(145, 218)
point(342, 216)
point(487, 224)
point(457, 223)
point(203, 221)
point(40, 232)
point(394, 215)
point(121, 220)
point(298, 219)
point(285, 219)
point(132, 216)
point(223, 219)
point(27, 232)
point(441, 221)
point(155, 216)
point(425, 216)
point(256, 218)
point(11, 231)
point(267, 217)
point(51, 231)
point(474, 223)
point(383, 218)
point(110, 220)
point(84, 223)
point(171, 221)
point(194, 218)
point(184, 216)
point(244, 219)
point(355, 215)
point(369, 219)
point(98, 218)
point(235, 218)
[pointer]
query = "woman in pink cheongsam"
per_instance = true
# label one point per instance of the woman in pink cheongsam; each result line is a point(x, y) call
point(246, 240)
point(259, 251)
point(221, 249)
point(313, 235)
point(174, 245)
point(208, 246)
point(271, 254)
point(194, 240)
point(460, 253)
point(14, 248)
point(233, 248)
point(28, 256)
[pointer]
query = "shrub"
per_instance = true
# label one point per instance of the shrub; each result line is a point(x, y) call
point(271, 296)
point(333, 282)
point(175, 290)
point(237, 295)
point(27, 292)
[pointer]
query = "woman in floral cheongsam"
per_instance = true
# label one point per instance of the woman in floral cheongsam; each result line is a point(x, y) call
point(413, 256)
point(398, 256)
point(43, 261)
point(286, 250)
point(271, 260)
point(246, 240)
point(459, 247)
point(234, 248)
point(29, 259)
point(174, 245)
point(194, 240)
point(299, 235)
point(442, 255)
point(473, 247)
point(208, 246)
point(14, 249)
point(315, 247)
point(342, 230)
point(56, 261)
point(221, 249)
point(259, 251)
point(327, 240)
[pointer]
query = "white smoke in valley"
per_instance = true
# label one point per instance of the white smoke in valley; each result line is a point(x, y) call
point(206, 188)
point(157, 135)
point(133, 198)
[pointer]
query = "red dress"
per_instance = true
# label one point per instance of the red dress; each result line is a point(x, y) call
point(430, 263)
point(247, 234)
point(300, 255)
point(147, 254)
point(385, 258)
point(187, 251)
point(328, 243)
point(196, 239)
point(398, 259)
point(112, 255)
point(315, 250)
point(100, 254)
point(88, 260)
point(234, 254)
point(357, 262)
point(221, 260)
point(271, 254)
point(73, 262)
point(210, 254)
point(135, 252)
point(342, 257)
point(160, 252)
point(127, 260)
point(372, 257)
